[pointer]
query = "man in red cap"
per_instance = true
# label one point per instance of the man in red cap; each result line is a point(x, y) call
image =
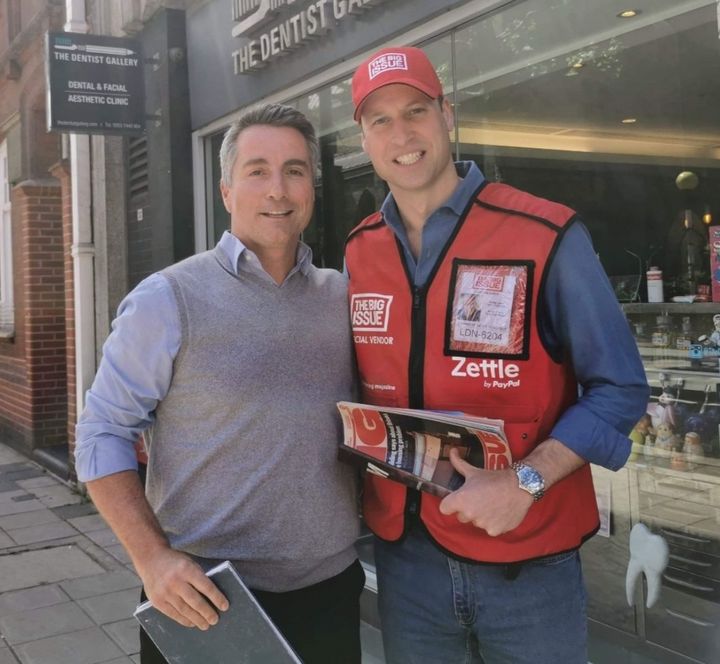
point(491, 573)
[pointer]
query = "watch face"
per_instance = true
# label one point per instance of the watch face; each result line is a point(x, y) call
point(530, 479)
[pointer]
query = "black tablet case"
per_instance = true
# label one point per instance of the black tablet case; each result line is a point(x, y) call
point(243, 635)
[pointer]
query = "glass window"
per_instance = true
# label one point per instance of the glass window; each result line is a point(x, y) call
point(217, 215)
point(618, 118)
point(573, 103)
point(7, 316)
point(348, 189)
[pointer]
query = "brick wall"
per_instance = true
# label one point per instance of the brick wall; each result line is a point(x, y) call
point(33, 379)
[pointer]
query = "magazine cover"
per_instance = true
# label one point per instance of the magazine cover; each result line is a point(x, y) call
point(413, 446)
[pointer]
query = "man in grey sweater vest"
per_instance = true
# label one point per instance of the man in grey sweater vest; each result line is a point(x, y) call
point(232, 361)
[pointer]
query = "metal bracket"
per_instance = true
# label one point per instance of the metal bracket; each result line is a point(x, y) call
point(154, 117)
point(155, 61)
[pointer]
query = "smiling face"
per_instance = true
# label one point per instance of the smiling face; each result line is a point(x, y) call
point(405, 134)
point(270, 195)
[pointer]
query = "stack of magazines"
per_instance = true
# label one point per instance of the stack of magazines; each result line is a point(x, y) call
point(413, 446)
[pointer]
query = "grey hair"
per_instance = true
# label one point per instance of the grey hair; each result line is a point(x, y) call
point(273, 115)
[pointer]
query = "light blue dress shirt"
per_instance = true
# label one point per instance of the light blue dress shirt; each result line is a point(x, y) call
point(137, 367)
point(581, 319)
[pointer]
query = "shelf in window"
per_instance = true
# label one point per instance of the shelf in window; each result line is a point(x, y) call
point(671, 307)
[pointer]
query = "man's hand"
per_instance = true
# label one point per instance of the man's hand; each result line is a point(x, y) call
point(489, 499)
point(174, 582)
point(178, 587)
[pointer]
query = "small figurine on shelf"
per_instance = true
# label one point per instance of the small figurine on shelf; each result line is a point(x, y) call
point(677, 460)
point(663, 412)
point(665, 438)
point(715, 334)
point(639, 436)
point(692, 445)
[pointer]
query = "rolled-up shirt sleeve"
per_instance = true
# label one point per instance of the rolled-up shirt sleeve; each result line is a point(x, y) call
point(583, 320)
point(133, 377)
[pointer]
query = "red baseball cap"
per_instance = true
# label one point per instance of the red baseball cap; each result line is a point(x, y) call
point(396, 64)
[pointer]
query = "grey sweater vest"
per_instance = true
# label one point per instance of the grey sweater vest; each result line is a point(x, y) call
point(242, 456)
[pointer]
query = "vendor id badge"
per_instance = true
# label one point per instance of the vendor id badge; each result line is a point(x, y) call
point(489, 313)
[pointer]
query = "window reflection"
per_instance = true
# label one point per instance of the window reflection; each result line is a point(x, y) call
point(348, 190)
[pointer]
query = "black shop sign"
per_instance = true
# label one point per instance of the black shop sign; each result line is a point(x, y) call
point(95, 84)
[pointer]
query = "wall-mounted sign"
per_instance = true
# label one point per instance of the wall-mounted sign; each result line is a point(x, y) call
point(286, 25)
point(95, 84)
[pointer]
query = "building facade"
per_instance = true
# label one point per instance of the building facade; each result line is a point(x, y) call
point(35, 284)
point(608, 107)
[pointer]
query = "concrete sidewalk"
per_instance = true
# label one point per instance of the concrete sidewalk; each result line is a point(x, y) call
point(67, 588)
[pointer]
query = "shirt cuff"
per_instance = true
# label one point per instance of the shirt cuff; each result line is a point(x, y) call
point(101, 456)
point(592, 438)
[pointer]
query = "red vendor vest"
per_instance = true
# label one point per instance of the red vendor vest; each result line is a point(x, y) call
point(468, 341)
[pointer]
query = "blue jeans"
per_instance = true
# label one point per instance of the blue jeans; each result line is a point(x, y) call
point(437, 610)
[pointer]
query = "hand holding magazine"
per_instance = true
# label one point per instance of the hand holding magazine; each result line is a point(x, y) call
point(413, 446)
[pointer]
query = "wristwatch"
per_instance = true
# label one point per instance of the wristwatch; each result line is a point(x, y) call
point(529, 480)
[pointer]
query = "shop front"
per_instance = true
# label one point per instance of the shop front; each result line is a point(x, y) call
point(609, 107)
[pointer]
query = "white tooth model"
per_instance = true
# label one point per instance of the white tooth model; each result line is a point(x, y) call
point(649, 555)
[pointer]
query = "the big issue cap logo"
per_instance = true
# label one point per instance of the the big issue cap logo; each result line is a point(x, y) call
point(287, 25)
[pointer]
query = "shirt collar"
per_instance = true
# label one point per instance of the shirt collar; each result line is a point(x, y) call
point(471, 178)
point(233, 248)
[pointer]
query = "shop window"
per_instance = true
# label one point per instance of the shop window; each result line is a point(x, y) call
point(347, 190)
point(579, 105)
point(618, 118)
point(7, 316)
point(218, 218)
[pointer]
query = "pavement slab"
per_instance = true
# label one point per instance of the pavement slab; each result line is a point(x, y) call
point(118, 552)
point(88, 646)
point(6, 656)
point(24, 474)
point(112, 607)
point(5, 540)
point(57, 496)
point(35, 482)
point(15, 502)
point(89, 523)
point(14, 467)
point(31, 598)
point(126, 634)
point(101, 584)
point(103, 538)
point(71, 511)
point(45, 532)
point(8, 455)
point(43, 622)
point(32, 568)
point(7, 485)
point(27, 519)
